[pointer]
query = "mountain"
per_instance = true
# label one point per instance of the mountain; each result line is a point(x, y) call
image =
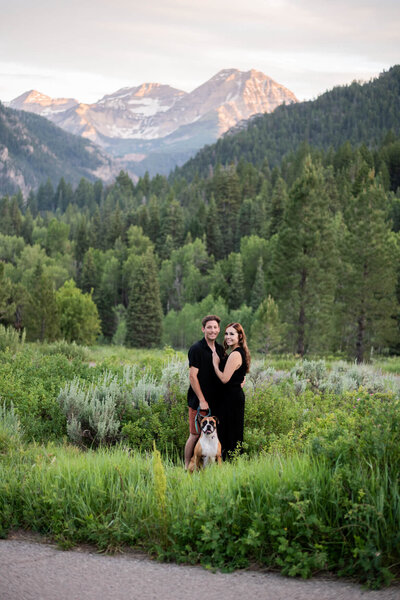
point(32, 150)
point(357, 113)
point(154, 127)
point(40, 104)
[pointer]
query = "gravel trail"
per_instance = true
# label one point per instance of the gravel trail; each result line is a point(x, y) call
point(31, 569)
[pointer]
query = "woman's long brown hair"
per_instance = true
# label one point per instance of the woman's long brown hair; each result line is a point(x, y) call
point(242, 342)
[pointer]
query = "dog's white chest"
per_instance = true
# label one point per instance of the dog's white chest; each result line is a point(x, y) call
point(209, 448)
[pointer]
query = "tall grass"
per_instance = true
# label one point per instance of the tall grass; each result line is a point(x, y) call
point(296, 514)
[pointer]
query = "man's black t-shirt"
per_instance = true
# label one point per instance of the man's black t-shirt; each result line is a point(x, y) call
point(200, 356)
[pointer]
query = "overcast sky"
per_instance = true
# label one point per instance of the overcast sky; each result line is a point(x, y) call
point(88, 48)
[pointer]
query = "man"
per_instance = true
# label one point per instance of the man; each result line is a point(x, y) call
point(205, 387)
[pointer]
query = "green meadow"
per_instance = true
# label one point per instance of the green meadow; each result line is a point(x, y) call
point(91, 451)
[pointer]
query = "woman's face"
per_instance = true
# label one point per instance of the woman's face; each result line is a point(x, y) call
point(231, 337)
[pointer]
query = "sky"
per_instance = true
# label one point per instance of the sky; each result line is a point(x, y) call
point(85, 49)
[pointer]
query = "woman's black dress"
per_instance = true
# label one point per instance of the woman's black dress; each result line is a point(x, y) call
point(231, 413)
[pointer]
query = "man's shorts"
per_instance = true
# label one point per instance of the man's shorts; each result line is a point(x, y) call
point(192, 420)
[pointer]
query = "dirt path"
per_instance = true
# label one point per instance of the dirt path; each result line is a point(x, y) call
point(33, 570)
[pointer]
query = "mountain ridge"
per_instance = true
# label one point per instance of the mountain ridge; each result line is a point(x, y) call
point(32, 149)
point(138, 120)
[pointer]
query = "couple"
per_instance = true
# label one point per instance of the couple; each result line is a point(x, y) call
point(216, 381)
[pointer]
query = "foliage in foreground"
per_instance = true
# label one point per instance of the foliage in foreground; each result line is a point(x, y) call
point(297, 514)
point(317, 487)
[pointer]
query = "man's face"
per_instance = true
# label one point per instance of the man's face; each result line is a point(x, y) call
point(211, 330)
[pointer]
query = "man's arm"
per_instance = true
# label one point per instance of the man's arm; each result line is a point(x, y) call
point(194, 382)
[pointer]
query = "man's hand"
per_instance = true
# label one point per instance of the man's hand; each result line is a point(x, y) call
point(194, 382)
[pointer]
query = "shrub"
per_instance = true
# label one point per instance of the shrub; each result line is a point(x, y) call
point(93, 415)
point(79, 318)
point(10, 429)
point(69, 349)
point(31, 382)
point(10, 339)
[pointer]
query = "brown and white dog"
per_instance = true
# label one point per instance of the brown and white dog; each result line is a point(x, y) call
point(208, 447)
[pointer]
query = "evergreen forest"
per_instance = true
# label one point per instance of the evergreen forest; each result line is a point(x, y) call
point(305, 255)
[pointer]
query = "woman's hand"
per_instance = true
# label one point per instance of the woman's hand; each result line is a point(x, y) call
point(215, 359)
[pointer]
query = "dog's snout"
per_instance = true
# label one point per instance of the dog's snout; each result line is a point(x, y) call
point(208, 426)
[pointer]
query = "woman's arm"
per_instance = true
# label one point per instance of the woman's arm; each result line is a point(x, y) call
point(232, 364)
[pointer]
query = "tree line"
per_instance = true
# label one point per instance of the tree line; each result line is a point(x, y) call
point(305, 255)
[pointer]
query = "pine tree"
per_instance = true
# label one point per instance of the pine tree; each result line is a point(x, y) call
point(368, 285)
point(143, 218)
point(279, 199)
point(144, 313)
point(45, 197)
point(259, 222)
point(154, 220)
point(81, 244)
point(236, 294)
point(84, 194)
point(226, 187)
point(5, 217)
point(303, 268)
point(267, 331)
point(173, 224)
point(124, 184)
point(213, 232)
point(115, 228)
point(15, 215)
point(258, 289)
point(63, 196)
point(245, 220)
point(107, 296)
point(7, 302)
point(32, 204)
point(89, 277)
point(27, 227)
point(41, 317)
point(197, 225)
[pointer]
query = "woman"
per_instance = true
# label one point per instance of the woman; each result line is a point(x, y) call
point(234, 369)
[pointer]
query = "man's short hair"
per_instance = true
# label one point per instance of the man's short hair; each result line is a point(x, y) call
point(210, 318)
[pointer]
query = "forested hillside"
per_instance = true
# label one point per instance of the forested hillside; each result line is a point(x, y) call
point(32, 149)
point(359, 113)
point(305, 255)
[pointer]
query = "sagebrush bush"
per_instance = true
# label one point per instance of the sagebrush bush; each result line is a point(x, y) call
point(10, 428)
point(71, 350)
point(132, 404)
point(11, 339)
point(93, 412)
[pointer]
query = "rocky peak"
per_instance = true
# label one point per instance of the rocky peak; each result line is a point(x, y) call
point(34, 101)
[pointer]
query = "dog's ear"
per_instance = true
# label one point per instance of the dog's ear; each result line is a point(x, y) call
point(216, 420)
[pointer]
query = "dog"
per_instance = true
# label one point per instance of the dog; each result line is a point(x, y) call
point(208, 447)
